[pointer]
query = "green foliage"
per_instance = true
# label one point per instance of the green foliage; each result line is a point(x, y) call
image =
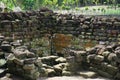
point(94, 9)
point(50, 3)
point(98, 9)
point(65, 7)
point(103, 9)
point(9, 3)
point(118, 5)
point(76, 8)
point(86, 8)
point(28, 4)
point(55, 4)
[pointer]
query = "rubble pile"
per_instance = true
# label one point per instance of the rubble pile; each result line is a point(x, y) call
point(105, 60)
point(19, 60)
point(24, 63)
point(102, 59)
point(56, 66)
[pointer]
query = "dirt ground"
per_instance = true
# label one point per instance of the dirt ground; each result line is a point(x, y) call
point(65, 78)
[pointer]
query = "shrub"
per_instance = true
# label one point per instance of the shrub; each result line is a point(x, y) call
point(119, 5)
point(65, 7)
point(103, 10)
point(86, 8)
point(94, 9)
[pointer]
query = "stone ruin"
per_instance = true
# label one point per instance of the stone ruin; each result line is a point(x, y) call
point(105, 60)
point(28, 25)
point(18, 59)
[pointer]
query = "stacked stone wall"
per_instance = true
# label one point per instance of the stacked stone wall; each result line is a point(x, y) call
point(34, 24)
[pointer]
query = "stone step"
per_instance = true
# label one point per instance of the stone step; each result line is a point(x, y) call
point(88, 74)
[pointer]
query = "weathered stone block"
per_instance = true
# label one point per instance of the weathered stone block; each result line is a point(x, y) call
point(117, 76)
point(112, 57)
point(49, 60)
point(105, 54)
point(18, 61)
point(99, 58)
point(29, 67)
point(90, 58)
point(104, 66)
point(61, 60)
point(50, 72)
point(104, 74)
point(66, 73)
point(30, 61)
point(111, 70)
point(88, 74)
point(38, 63)
point(6, 47)
point(58, 70)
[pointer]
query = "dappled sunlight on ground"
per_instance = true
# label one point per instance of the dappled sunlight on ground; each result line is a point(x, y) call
point(71, 78)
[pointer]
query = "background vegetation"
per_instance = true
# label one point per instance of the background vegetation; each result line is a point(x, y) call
point(63, 4)
point(35, 4)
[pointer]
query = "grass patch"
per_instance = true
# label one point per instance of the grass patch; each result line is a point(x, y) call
point(92, 10)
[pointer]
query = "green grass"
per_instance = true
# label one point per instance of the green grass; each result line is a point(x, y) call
point(112, 12)
point(93, 10)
